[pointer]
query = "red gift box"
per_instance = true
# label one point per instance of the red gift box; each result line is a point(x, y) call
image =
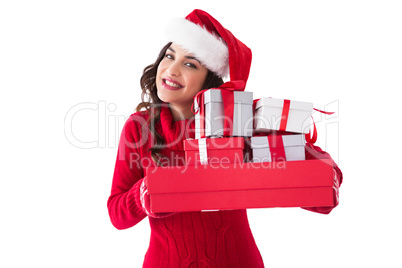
point(214, 150)
point(306, 183)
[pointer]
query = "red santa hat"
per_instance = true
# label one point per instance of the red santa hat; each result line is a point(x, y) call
point(213, 45)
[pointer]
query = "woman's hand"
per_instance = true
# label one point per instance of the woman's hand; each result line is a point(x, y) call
point(146, 202)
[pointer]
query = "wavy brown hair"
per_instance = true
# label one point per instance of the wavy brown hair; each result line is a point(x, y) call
point(151, 102)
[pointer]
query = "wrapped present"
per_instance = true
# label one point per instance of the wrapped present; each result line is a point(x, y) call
point(214, 150)
point(283, 115)
point(224, 111)
point(278, 148)
point(306, 183)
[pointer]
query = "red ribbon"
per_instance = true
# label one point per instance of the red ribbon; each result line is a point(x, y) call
point(276, 148)
point(255, 104)
point(308, 137)
point(227, 91)
point(285, 114)
point(324, 112)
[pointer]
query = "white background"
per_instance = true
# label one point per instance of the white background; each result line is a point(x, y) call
point(59, 57)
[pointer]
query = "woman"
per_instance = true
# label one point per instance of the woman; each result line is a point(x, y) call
point(190, 63)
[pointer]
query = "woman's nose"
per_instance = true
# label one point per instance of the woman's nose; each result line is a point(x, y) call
point(174, 69)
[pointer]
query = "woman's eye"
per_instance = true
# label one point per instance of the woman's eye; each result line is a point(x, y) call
point(169, 56)
point(191, 65)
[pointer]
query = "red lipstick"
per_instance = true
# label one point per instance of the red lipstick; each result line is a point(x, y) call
point(171, 84)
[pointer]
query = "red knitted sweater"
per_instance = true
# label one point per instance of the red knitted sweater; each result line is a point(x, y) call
point(191, 239)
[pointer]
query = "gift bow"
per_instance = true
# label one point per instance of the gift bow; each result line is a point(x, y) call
point(227, 91)
point(284, 120)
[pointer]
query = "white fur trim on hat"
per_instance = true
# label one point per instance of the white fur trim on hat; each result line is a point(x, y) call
point(209, 49)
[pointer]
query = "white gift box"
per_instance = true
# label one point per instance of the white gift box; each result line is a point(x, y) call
point(269, 115)
point(214, 114)
point(293, 146)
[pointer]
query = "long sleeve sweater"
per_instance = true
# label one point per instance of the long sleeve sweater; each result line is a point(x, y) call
point(189, 239)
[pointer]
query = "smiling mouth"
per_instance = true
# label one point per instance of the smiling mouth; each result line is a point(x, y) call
point(169, 84)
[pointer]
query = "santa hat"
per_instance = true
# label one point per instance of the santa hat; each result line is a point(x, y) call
point(213, 45)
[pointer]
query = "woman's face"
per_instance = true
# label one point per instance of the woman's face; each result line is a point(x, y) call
point(179, 77)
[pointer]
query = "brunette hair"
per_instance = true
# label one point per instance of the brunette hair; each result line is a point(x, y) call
point(151, 102)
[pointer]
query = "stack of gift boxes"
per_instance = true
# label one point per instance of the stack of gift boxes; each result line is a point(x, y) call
point(227, 161)
point(279, 127)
